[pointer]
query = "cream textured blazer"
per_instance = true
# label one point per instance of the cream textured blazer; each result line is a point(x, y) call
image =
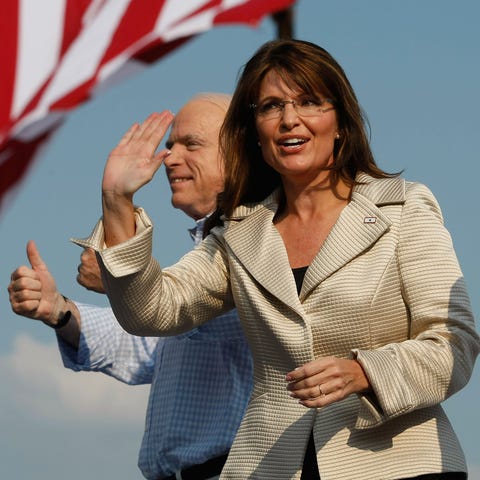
point(385, 288)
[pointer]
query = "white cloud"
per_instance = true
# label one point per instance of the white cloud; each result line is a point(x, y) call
point(39, 386)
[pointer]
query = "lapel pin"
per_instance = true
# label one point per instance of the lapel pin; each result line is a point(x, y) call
point(369, 219)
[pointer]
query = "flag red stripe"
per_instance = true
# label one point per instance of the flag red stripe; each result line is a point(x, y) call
point(20, 160)
point(202, 8)
point(72, 26)
point(138, 20)
point(157, 49)
point(9, 29)
point(133, 37)
point(251, 12)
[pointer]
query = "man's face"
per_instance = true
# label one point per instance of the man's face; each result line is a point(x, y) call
point(194, 169)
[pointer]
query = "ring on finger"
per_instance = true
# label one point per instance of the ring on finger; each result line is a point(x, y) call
point(320, 391)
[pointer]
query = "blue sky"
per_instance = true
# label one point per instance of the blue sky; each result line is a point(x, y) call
point(415, 67)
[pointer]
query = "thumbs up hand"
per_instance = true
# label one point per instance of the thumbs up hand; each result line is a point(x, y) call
point(33, 291)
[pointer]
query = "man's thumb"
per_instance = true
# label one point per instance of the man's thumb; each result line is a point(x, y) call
point(34, 257)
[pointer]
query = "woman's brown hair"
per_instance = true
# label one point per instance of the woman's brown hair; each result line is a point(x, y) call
point(306, 67)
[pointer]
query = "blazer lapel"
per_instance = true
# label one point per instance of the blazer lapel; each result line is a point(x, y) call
point(361, 223)
point(258, 246)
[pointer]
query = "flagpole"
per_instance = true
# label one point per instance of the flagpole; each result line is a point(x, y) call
point(284, 21)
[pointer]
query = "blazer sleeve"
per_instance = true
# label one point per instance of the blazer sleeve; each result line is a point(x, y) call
point(438, 357)
point(149, 301)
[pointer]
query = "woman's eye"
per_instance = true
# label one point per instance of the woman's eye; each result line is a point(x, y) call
point(309, 102)
point(268, 107)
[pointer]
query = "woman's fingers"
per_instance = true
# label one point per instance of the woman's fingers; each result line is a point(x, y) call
point(326, 380)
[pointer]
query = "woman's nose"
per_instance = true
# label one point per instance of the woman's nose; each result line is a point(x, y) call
point(289, 115)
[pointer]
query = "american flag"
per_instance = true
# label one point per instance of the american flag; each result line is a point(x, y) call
point(56, 54)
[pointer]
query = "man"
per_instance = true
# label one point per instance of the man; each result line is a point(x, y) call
point(201, 380)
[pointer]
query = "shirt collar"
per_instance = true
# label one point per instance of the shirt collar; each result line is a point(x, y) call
point(197, 231)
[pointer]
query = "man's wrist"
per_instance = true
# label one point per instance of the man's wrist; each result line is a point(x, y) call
point(63, 316)
point(62, 322)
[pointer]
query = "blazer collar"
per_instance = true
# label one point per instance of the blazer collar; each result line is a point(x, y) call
point(256, 243)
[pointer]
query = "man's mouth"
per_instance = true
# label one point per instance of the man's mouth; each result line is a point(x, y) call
point(179, 180)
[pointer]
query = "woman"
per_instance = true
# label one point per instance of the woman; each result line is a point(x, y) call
point(345, 280)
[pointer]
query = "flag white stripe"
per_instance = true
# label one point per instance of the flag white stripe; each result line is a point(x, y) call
point(81, 62)
point(56, 54)
point(227, 4)
point(196, 24)
point(38, 48)
point(30, 130)
point(174, 11)
point(113, 73)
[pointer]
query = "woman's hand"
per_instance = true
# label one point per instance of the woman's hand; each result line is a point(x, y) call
point(326, 380)
point(131, 164)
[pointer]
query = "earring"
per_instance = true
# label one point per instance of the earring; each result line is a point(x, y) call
point(337, 136)
point(259, 144)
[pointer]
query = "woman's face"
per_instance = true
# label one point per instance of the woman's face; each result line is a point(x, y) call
point(298, 147)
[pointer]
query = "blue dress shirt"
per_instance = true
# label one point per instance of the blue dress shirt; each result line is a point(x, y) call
point(201, 382)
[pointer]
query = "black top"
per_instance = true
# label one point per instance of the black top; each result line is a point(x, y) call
point(299, 274)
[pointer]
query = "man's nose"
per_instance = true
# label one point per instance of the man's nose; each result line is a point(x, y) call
point(173, 159)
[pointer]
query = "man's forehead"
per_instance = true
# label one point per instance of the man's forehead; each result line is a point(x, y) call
point(195, 124)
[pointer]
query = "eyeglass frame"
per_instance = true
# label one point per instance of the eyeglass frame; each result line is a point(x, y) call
point(282, 103)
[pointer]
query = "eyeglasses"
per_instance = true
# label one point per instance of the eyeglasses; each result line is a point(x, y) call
point(305, 108)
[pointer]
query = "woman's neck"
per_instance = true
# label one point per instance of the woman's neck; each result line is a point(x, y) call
point(312, 202)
